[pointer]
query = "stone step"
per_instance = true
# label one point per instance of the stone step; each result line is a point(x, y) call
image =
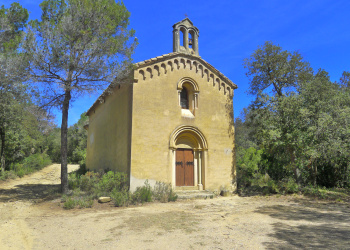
point(194, 194)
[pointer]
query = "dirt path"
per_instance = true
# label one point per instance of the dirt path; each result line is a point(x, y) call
point(29, 220)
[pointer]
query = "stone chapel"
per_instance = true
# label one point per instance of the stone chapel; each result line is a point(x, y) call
point(171, 120)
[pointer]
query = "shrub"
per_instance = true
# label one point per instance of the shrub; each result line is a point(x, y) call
point(110, 181)
point(89, 181)
point(120, 198)
point(69, 203)
point(77, 199)
point(37, 161)
point(142, 194)
point(272, 187)
point(21, 171)
point(248, 161)
point(31, 164)
point(8, 175)
point(85, 202)
point(291, 186)
point(163, 192)
point(114, 185)
point(73, 181)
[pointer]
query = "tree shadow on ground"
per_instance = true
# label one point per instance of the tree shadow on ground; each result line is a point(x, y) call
point(30, 192)
point(316, 226)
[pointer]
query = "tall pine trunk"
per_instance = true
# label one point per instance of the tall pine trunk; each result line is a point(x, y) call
point(64, 130)
point(2, 152)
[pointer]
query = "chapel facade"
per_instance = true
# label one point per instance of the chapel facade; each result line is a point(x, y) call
point(171, 121)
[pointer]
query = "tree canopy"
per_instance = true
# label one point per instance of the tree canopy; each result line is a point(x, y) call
point(77, 47)
point(302, 126)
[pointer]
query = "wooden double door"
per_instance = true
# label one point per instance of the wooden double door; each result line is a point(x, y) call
point(184, 167)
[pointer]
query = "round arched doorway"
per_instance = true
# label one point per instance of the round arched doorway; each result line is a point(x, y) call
point(188, 148)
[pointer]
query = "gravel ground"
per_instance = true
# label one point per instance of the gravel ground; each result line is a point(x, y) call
point(30, 219)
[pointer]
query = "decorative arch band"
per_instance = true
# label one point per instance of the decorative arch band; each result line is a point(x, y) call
point(193, 131)
point(188, 80)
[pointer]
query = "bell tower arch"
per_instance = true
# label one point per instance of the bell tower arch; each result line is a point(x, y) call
point(185, 37)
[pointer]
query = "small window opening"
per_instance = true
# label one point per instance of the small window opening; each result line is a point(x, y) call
point(190, 41)
point(181, 38)
point(184, 98)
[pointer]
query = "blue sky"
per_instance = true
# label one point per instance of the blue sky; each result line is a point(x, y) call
point(230, 30)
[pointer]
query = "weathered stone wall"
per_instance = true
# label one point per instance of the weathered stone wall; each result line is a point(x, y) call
point(157, 113)
point(109, 136)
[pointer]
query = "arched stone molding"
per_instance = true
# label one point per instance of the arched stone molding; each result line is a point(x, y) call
point(218, 83)
point(228, 90)
point(188, 80)
point(206, 73)
point(170, 63)
point(212, 79)
point(142, 73)
point(195, 66)
point(176, 62)
point(189, 137)
point(183, 63)
point(189, 64)
point(193, 132)
point(223, 88)
point(163, 67)
point(156, 68)
point(149, 70)
point(200, 70)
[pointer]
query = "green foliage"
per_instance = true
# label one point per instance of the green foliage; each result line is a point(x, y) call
point(31, 164)
point(270, 66)
point(115, 185)
point(87, 182)
point(77, 139)
point(248, 162)
point(69, 203)
point(74, 201)
point(13, 21)
point(110, 181)
point(77, 47)
point(142, 194)
point(8, 175)
point(52, 144)
point(120, 198)
point(302, 126)
point(163, 192)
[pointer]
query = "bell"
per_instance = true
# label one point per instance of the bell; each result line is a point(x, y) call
point(190, 42)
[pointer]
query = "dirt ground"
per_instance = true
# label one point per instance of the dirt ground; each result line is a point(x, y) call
point(31, 219)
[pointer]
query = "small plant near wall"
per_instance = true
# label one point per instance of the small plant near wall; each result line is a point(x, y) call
point(90, 186)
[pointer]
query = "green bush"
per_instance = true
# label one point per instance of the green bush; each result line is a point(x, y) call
point(114, 185)
point(163, 192)
point(291, 186)
point(89, 181)
point(141, 195)
point(112, 180)
point(8, 175)
point(73, 181)
point(248, 161)
point(272, 187)
point(120, 198)
point(77, 199)
point(31, 164)
point(69, 203)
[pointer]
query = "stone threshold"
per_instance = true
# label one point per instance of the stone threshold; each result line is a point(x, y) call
point(194, 194)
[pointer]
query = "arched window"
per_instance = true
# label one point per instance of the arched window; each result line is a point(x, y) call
point(184, 98)
point(188, 93)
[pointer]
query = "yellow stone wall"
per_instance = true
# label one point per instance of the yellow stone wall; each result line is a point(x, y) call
point(156, 114)
point(109, 132)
